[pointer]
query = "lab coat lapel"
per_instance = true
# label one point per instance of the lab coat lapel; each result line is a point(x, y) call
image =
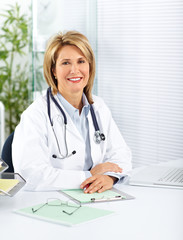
point(71, 128)
point(95, 148)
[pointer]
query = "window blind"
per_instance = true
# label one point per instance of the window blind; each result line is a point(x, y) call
point(140, 74)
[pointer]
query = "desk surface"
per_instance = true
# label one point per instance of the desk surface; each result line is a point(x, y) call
point(155, 214)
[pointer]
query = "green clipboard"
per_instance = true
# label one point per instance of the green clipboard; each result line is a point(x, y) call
point(80, 197)
point(55, 214)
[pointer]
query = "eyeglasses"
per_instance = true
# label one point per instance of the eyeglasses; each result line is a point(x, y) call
point(56, 202)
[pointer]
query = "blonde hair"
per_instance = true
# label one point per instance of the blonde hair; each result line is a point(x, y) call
point(55, 44)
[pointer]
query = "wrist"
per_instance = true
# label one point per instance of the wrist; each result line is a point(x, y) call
point(114, 179)
point(91, 172)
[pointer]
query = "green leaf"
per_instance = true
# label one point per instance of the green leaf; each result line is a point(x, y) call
point(14, 82)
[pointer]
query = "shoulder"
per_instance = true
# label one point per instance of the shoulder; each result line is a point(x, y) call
point(99, 102)
point(33, 121)
point(100, 105)
point(36, 108)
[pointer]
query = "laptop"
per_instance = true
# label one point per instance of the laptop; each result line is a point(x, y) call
point(158, 176)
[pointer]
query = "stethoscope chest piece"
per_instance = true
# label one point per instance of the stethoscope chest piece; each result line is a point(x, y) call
point(98, 137)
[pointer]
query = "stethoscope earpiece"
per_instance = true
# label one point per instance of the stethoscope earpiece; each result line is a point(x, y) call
point(55, 156)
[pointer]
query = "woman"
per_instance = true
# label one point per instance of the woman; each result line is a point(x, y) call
point(52, 154)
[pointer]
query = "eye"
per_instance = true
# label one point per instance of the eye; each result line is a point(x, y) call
point(82, 61)
point(65, 63)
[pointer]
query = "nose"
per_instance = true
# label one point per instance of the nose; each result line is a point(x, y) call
point(74, 68)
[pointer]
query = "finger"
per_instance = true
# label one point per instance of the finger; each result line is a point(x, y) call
point(95, 186)
point(87, 181)
point(113, 167)
point(117, 169)
point(102, 189)
point(107, 184)
point(95, 189)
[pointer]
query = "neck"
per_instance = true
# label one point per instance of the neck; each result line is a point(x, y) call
point(74, 99)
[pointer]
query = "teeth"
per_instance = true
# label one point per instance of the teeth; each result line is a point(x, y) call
point(74, 79)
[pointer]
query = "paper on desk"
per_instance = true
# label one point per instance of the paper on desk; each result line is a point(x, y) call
point(54, 214)
point(7, 184)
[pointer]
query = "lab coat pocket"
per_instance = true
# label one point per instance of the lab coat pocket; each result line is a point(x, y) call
point(58, 163)
point(67, 163)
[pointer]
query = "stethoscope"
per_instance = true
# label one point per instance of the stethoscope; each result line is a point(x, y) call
point(98, 136)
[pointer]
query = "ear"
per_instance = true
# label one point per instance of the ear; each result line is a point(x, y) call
point(53, 71)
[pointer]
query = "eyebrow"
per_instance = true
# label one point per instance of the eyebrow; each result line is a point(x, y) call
point(64, 59)
point(67, 59)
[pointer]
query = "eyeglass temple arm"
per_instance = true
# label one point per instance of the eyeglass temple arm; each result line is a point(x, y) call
point(71, 212)
point(35, 210)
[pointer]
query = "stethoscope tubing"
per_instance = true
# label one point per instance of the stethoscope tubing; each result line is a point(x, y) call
point(98, 136)
point(56, 103)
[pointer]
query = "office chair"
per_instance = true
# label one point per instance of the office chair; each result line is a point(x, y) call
point(7, 153)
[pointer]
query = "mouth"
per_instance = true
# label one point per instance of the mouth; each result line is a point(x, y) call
point(74, 79)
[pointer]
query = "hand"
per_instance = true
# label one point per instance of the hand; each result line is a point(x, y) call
point(98, 183)
point(105, 167)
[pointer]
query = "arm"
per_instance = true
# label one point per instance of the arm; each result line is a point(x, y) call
point(117, 156)
point(32, 156)
point(100, 182)
point(102, 168)
point(117, 151)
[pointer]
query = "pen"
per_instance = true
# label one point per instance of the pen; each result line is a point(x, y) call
point(86, 186)
point(107, 199)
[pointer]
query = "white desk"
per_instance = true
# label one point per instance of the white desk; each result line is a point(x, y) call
point(155, 214)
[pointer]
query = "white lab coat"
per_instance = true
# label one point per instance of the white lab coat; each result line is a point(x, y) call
point(34, 144)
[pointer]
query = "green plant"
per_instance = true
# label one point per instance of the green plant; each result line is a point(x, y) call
point(14, 69)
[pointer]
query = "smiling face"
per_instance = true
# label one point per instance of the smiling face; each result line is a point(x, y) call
point(71, 71)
